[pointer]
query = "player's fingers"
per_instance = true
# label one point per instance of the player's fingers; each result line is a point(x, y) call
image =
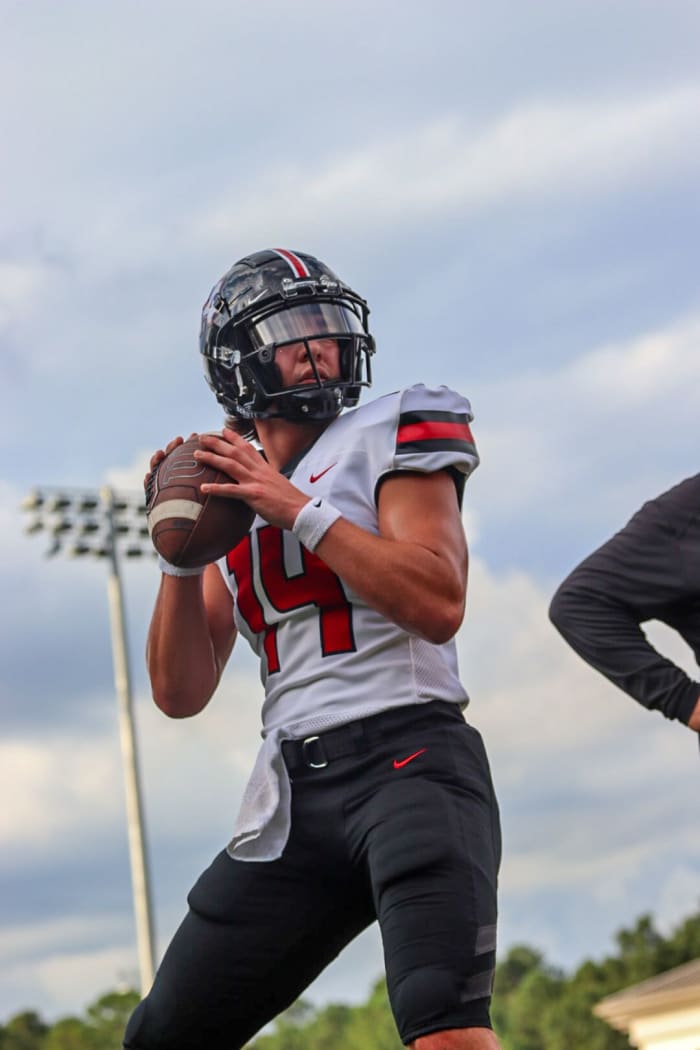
point(160, 455)
point(213, 441)
point(243, 446)
point(234, 448)
point(227, 464)
point(231, 489)
point(220, 444)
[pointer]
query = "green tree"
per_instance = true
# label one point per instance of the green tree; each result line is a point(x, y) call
point(70, 1033)
point(372, 1024)
point(642, 953)
point(525, 988)
point(335, 1026)
point(288, 1029)
point(683, 945)
point(519, 961)
point(571, 1022)
point(107, 1017)
point(24, 1031)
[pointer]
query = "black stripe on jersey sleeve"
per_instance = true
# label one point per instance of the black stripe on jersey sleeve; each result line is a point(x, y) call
point(433, 417)
point(435, 445)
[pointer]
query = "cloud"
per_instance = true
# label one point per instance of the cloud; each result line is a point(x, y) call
point(21, 285)
point(56, 790)
point(657, 367)
point(449, 167)
point(130, 477)
point(65, 963)
point(590, 439)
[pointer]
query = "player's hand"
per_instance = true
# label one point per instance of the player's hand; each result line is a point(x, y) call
point(268, 492)
point(694, 722)
point(160, 455)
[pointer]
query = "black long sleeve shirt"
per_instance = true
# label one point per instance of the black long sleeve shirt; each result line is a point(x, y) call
point(650, 570)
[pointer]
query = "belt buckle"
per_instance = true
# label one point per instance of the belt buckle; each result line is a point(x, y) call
point(304, 744)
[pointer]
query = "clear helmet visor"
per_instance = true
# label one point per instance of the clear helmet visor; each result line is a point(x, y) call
point(305, 321)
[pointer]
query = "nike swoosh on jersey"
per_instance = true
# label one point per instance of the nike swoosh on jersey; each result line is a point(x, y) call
point(315, 477)
point(405, 761)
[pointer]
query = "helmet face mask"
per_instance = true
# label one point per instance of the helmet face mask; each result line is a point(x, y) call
point(268, 302)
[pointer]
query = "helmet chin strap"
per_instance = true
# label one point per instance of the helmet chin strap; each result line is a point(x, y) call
point(303, 406)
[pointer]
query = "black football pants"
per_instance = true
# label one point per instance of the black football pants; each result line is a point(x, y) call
point(405, 831)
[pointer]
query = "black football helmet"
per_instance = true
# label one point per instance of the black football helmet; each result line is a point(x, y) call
point(271, 299)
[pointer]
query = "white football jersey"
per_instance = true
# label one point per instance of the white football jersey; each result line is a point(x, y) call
point(323, 652)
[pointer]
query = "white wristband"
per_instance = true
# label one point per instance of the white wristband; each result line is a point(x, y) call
point(175, 570)
point(313, 522)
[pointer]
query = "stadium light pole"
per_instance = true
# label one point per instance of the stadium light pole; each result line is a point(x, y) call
point(105, 524)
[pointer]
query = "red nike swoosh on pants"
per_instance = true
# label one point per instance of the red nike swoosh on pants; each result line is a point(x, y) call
point(405, 761)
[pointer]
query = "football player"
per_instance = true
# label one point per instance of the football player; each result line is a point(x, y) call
point(371, 797)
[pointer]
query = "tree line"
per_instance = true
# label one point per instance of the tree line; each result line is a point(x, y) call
point(536, 1006)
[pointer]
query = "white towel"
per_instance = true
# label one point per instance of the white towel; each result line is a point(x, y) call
point(264, 819)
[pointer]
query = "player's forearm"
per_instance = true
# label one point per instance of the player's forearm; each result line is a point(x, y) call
point(606, 634)
point(180, 653)
point(412, 586)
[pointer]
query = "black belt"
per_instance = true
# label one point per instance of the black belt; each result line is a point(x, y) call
point(356, 738)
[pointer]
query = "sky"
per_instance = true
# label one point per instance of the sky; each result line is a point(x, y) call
point(513, 187)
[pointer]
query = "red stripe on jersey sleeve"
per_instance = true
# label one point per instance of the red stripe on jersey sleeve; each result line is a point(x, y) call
point(432, 431)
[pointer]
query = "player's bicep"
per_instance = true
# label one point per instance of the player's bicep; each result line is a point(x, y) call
point(424, 509)
point(219, 609)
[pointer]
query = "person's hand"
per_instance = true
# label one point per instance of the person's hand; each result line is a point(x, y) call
point(160, 455)
point(263, 488)
point(694, 722)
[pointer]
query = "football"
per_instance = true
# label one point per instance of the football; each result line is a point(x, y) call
point(189, 528)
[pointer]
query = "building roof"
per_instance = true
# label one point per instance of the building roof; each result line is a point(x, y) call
point(671, 990)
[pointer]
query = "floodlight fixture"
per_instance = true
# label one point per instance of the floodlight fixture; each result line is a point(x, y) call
point(62, 525)
point(33, 501)
point(87, 503)
point(57, 502)
point(78, 550)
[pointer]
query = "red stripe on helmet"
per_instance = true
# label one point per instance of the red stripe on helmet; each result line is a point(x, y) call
point(432, 431)
point(298, 266)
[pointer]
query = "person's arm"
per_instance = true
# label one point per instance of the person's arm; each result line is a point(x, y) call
point(190, 639)
point(414, 572)
point(636, 576)
point(191, 634)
